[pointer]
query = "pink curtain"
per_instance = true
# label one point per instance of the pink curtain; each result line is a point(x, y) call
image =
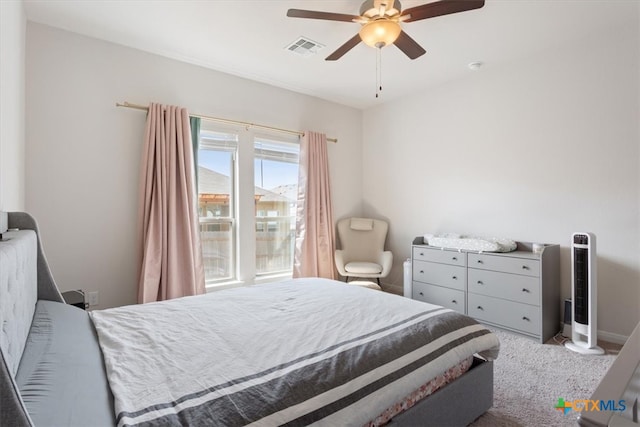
point(167, 215)
point(315, 235)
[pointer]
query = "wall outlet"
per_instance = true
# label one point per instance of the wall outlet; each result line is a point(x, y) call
point(93, 298)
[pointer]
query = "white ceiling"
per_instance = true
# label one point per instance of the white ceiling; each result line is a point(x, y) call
point(248, 38)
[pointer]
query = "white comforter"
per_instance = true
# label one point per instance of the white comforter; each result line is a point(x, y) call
point(299, 352)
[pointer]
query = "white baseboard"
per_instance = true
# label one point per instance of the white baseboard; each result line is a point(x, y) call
point(611, 337)
point(602, 335)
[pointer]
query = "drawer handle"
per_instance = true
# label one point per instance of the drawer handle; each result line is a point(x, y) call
point(480, 282)
point(524, 267)
point(525, 318)
point(454, 277)
point(479, 261)
point(421, 271)
point(421, 253)
point(454, 301)
point(480, 308)
point(421, 293)
point(454, 258)
point(525, 290)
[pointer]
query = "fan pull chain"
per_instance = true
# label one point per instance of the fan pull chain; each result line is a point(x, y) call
point(378, 72)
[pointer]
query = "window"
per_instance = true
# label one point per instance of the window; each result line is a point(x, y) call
point(247, 193)
point(216, 204)
point(276, 193)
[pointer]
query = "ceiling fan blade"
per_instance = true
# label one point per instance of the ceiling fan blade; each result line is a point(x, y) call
point(329, 16)
point(353, 42)
point(409, 46)
point(439, 8)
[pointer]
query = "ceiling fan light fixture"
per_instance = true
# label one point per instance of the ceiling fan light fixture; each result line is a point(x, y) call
point(380, 33)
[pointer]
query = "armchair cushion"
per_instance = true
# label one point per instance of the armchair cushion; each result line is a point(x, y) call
point(361, 224)
point(363, 268)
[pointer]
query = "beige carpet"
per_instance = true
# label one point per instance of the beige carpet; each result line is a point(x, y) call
point(530, 377)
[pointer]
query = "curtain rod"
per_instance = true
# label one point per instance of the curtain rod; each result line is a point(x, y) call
point(227, 121)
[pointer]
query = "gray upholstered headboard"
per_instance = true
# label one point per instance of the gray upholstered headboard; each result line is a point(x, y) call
point(25, 277)
point(47, 289)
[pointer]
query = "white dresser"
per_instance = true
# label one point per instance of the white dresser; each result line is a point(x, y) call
point(519, 290)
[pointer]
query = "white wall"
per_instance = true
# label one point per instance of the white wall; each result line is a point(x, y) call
point(532, 151)
point(83, 153)
point(12, 84)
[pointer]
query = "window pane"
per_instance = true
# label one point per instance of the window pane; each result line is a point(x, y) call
point(217, 251)
point(215, 204)
point(276, 193)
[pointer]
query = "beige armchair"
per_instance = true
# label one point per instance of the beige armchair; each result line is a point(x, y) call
point(362, 254)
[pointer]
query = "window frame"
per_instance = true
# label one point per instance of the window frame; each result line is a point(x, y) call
point(206, 142)
point(275, 149)
point(245, 236)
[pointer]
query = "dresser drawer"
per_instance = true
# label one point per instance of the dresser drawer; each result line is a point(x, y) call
point(446, 297)
point(528, 267)
point(525, 289)
point(434, 273)
point(441, 256)
point(514, 315)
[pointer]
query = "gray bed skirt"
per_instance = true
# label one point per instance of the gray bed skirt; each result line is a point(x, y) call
point(457, 404)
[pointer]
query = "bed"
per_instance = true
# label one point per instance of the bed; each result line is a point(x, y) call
point(299, 352)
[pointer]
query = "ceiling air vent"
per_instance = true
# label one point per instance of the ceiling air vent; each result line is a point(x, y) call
point(303, 46)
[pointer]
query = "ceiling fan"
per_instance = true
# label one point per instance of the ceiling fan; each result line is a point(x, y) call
point(380, 20)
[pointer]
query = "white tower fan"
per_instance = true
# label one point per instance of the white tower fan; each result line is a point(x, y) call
point(584, 291)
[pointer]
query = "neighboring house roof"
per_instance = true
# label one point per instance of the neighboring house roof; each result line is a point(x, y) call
point(290, 191)
point(212, 182)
